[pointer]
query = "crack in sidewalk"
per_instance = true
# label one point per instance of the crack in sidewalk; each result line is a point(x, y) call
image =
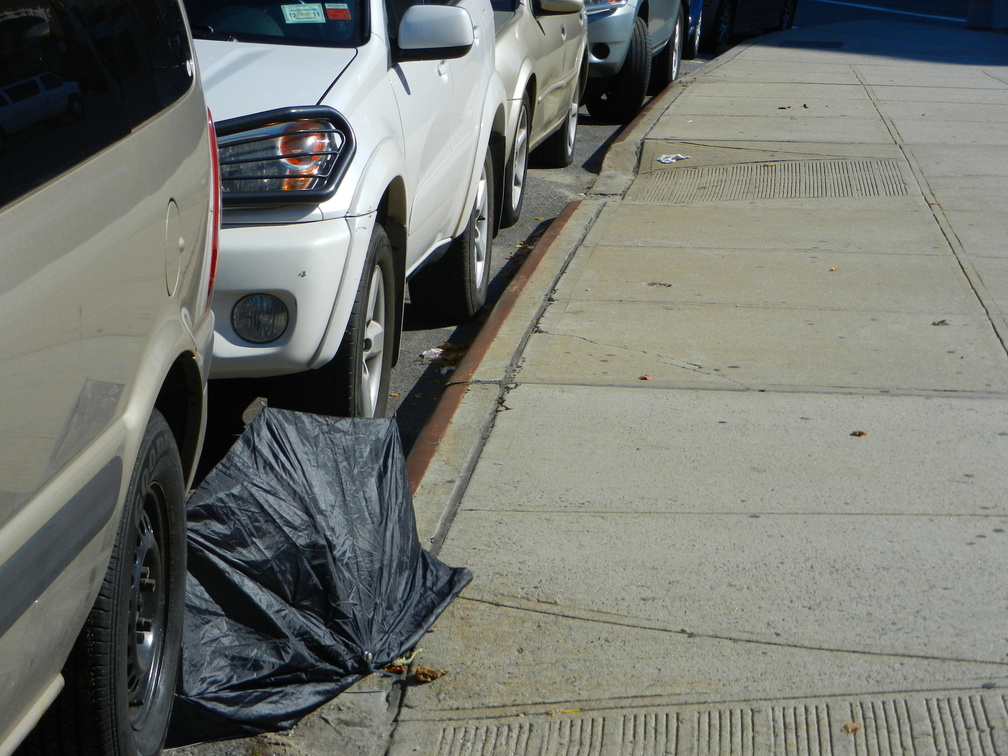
point(691, 367)
point(638, 623)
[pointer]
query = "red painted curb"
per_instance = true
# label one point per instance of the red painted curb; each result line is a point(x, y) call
point(429, 438)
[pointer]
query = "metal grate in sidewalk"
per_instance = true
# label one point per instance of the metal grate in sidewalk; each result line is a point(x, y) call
point(966, 725)
point(798, 179)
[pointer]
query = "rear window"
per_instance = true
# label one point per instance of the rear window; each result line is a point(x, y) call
point(80, 75)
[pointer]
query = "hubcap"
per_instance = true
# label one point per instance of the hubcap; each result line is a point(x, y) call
point(572, 122)
point(374, 343)
point(148, 595)
point(482, 230)
point(519, 159)
point(677, 41)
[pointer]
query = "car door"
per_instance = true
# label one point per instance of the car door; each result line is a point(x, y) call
point(471, 73)
point(424, 94)
point(552, 35)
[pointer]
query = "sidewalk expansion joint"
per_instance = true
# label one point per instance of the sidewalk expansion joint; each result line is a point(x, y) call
point(646, 625)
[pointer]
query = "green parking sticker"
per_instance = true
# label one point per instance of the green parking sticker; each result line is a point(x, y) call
point(308, 13)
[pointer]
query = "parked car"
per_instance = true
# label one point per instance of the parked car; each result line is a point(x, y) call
point(635, 48)
point(541, 56)
point(361, 147)
point(106, 262)
point(713, 24)
point(37, 99)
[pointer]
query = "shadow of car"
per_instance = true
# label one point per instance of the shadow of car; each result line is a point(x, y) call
point(541, 56)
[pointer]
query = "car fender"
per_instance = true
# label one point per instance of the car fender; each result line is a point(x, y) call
point(493, 122)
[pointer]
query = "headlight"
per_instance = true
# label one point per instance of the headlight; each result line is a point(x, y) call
point(595, 6)
point(293, 154)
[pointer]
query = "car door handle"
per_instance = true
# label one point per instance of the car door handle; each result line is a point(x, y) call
point(563, 32)
point(442, 69)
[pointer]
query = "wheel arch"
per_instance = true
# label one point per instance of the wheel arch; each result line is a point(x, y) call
point(393, 211)
point(182, 402)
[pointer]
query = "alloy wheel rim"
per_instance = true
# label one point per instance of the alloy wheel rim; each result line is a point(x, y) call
point(572, 122)
point(373, 353)
point(482, 230)
point(519, 159)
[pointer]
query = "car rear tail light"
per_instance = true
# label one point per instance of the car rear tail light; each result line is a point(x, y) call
point(215, 208)
point(293, 154)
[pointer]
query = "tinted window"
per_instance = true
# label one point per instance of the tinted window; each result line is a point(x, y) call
point(109, 65)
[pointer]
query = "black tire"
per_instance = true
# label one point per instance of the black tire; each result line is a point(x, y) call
point(517, 167)
point(667, 63)
point(718, 34)
point(454, 288)
point(359, 374)
point(625, 93)
point(120, 677)
point(354, 383)
point(558, 149)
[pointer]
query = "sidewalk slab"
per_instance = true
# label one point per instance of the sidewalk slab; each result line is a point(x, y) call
point(744, 493)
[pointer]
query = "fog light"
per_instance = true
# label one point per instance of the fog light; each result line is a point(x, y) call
point(259, 318)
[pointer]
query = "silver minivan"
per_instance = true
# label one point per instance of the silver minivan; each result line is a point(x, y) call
point(108, 211)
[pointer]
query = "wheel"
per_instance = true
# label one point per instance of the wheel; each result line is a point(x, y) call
point(558, 149)
point(354, 383)
point(358, 376)
point(517, 165)
point(666, 64)
point(718, 35)
point(787, 15)
point(120, 677)
point(455, 287)
point(625, 93)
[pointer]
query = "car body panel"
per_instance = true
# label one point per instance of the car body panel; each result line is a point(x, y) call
point(107, 298)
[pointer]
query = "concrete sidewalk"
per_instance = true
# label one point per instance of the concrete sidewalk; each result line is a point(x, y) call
point(730, 464)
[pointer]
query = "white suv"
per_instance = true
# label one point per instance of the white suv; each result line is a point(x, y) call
point(361, 145)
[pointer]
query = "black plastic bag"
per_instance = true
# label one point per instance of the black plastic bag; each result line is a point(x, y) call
point(305, 574)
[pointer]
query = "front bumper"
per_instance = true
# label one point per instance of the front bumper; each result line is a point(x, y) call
point(609, 33)
point(314, 267)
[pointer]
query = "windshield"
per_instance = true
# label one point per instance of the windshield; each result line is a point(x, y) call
point(325, 24)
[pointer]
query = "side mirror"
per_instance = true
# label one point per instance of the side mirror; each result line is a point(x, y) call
point(562, 6)
point(432, 32)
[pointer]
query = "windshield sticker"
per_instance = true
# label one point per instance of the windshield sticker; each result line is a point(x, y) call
point(337, 12)
point(308, 13)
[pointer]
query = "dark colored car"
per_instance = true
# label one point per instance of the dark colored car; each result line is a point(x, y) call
point(714, 24)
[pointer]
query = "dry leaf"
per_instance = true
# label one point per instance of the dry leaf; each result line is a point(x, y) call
point(395, 669)
point(425, 675)
point(833, 270)
point(859, 434)
point(395, 394)
point(851, 727)
point(940, 323)
point(644, 378)
point(784, 107)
